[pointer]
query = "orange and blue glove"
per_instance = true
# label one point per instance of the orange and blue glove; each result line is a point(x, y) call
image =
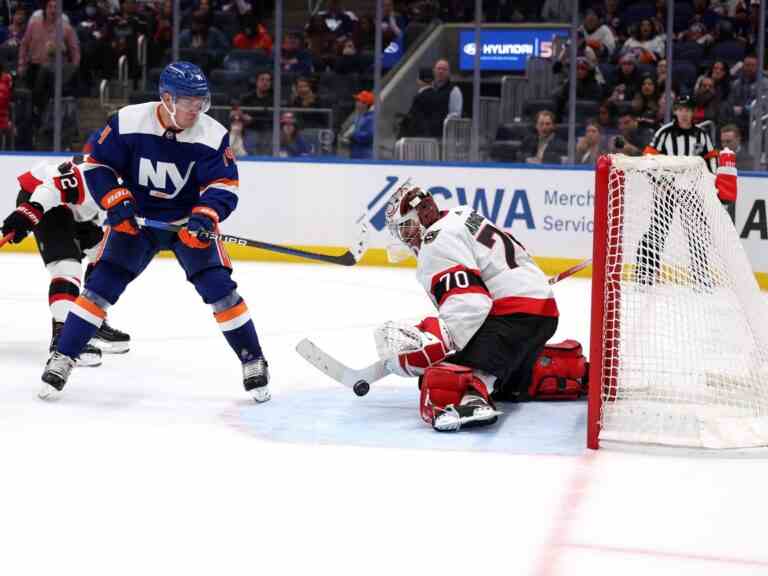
point(201, 224)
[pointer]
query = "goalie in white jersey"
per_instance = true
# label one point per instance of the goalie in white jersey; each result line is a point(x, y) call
point(496, 311)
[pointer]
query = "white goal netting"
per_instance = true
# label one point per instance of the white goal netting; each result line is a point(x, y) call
point(684, 325)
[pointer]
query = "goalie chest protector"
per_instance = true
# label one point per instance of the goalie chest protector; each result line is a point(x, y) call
point(560, 372)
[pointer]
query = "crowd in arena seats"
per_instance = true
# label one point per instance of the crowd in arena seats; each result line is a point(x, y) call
point(326, 61)
point(621, 71)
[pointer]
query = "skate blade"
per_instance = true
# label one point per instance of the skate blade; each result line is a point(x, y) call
point(48, 393)
point(110, 347)
point(88, 361)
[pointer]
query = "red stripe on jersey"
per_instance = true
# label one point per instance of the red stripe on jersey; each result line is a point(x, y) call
point(523, 305)
point(66, 279)
point(28, 182)
point(61, 296)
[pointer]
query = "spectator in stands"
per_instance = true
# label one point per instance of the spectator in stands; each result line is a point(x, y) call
point(447, 98)
point(661, 78)
point(292, 143)
point(365, 34)
point(592, 145)
point(392, 32)
point(597, 35)
point(339, 21)
point(730, 137)
point(416, 123)
point(237, 134)
point(6, 93)
point(361, 139)
point(322, 44)
point(721, 76)
point(16, 28)
point(253, 35)
point(557, 10)
point(126, 26)
point(703, 14)
point(587, 87)
point(644, 42)
point(163, 33)
point(202, 36)
point(632, 138)
point(606, 117)
point(262, 95)
point(698, 33)
point(303, 94)
point(544, 147)
point(706, 102)
point(611, 16)
point(349, 61)
point(645, 104)
point(421, 10)
point(629, 76)
point(37, 52)
point(94, 34)
point(744, 89)
point(294, 58)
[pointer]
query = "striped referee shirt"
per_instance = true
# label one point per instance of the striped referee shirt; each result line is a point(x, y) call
point(672, 140)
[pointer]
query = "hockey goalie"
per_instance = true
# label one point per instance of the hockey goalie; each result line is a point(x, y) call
point(496, 312)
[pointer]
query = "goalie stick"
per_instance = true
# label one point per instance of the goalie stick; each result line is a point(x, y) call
point(358, 380)
point(570, 271)
point(349, 258)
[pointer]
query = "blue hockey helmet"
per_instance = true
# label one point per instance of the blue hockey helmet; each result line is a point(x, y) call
point(184, 79)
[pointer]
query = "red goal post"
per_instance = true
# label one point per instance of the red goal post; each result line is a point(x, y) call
point(679, 328)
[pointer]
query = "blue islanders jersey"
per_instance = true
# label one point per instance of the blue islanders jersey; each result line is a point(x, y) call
point(167, 172)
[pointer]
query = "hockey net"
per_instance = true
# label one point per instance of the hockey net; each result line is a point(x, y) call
point(679, 334)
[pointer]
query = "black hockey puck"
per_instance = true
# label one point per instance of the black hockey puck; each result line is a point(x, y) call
point(361, 387)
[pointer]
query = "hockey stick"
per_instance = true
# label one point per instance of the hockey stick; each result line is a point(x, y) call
point(358, 380)
point(7, 237)
point(570, 271)
point(349, 258)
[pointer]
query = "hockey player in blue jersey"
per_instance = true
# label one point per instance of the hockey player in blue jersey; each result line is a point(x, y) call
point(166, 161)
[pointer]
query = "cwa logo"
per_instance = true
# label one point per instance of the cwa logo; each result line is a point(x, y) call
point(501, 206)
point(156, 176)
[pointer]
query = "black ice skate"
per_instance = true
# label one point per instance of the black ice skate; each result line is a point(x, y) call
point(90, 356)
point(110, 340)
point(57, 371)
point(256, 380)
point(473, 412)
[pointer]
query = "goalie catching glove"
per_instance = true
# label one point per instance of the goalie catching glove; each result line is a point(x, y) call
point(412, 349)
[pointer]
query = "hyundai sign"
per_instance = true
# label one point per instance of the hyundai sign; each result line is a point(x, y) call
point(507, 49)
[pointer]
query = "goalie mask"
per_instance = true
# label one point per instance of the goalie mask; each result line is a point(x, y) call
point(409, 212)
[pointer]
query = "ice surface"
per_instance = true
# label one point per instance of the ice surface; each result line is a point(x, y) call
point(157, 462)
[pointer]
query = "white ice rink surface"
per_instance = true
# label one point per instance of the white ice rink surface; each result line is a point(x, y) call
point(156, 463)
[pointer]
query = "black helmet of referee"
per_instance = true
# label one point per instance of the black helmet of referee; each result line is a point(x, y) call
point(684, 101)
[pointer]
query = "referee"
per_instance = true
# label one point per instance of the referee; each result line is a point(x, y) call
point(677, 138)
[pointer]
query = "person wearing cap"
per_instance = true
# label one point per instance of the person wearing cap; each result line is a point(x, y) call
point(292, 143)
point(677, 138)
point(587, 87)
point(627, 78)
point(361, 139)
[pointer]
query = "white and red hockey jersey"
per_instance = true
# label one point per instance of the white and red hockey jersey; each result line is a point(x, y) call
point(54, 184)
point(473, 270)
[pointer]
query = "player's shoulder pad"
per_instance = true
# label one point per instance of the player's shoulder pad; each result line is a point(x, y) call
point(137, 118)
point(206, 131)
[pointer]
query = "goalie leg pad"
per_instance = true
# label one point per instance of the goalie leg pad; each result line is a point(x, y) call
point(560, 372)
point(446, 385)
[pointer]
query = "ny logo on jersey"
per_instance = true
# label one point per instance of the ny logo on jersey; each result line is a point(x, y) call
point(156, 176)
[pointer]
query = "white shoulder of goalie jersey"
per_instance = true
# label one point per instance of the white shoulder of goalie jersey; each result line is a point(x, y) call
point(69, 188)
point(447, 243)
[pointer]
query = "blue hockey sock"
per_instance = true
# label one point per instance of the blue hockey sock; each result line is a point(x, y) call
point(84, 318)
point(235, 322)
